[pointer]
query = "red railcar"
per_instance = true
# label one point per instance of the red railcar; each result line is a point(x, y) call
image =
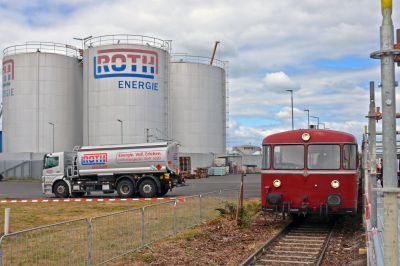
point(310, 171)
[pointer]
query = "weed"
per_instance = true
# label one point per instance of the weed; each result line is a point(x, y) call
point(189, 234)
point(145, 257)
point(244, 218)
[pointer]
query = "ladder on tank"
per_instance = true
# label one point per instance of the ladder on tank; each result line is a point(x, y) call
point(72, 170)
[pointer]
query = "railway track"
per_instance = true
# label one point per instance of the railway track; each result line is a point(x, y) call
point(301, 243)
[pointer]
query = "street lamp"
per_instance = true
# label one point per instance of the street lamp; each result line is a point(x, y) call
point(316, 117)
point(52, 124)
point(308, 117)
point(122, 132)
point(291, 97)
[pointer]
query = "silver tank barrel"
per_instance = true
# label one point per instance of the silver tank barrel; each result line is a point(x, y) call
point(198, 104)
point(125, 89)
point(42, 97)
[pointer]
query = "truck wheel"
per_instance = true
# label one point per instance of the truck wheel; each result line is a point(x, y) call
point(147, 188)
point(61, 189)
point(125, 188)
point(78, 194)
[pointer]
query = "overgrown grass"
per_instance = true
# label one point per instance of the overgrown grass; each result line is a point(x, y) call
point(29, 215)
point(110, 235)
point(24, 179)
point(250, 209)
point(226, 211)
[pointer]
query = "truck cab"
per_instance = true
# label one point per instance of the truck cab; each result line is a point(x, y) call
point(53, 172)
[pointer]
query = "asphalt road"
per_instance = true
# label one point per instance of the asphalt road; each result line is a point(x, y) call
point(33, 190)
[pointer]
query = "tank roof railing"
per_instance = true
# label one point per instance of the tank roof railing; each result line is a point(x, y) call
point(128, 39)
point(185, 58)
point(43, 47)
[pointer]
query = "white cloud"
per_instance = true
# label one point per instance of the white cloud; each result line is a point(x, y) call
point(271, 46)
point(279, 82)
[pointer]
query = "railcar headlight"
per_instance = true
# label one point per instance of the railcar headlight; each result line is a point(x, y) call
point(277, 183)
point(335, 184)
point(306, 136)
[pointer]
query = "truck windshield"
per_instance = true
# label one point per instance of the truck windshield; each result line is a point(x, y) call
point(324, 156)
point(51, 162)
point(289, 157)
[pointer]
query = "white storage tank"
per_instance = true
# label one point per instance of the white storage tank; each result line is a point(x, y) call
point(125, 89)
point(42, 98)
point(198, 105)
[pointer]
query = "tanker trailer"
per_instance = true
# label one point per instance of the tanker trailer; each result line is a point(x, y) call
point(148, 169)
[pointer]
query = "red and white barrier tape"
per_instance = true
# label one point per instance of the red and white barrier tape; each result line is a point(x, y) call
point(179, 199)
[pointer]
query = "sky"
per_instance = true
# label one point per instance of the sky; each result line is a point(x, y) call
point(319, 49)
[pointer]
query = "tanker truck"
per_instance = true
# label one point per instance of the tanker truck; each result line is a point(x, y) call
point(148, 170)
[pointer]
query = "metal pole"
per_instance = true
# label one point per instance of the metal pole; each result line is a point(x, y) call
point(142, 228)
point(389, 136)
point(122, 132)
point(6, 221)
point(52, 124)
point(291, 97)
point(308, 117)
point(200, 209)
point(316, 117)
point(372, 153)
point(365, 174)
point(174, 213)
point(90, 241)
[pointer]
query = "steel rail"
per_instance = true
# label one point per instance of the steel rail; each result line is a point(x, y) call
point(314, 239)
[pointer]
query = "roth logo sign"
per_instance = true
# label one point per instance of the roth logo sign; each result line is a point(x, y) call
point(125, 62)
point(94, 159)
point(8, 76)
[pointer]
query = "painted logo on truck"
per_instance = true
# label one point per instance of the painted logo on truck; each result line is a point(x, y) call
point(94, 159)
point(139, 156)
point(8, 76)
point(125, 62)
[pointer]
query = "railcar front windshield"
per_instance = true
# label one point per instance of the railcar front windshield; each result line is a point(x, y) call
point(324, 156)
point(350, 156)
point(289, 157)
point(266, 161)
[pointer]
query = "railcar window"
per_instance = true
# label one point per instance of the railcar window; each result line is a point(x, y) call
point(323, 156)
point(289, 157)
point(266, 161)
point(350, 156)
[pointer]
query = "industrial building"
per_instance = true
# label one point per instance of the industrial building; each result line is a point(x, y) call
point(117, 89)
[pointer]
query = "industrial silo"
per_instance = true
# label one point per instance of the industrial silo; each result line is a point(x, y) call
point(42, 98)
point(125, 89)
point(198, 105)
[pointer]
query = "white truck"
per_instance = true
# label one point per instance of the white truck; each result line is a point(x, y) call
point(149, 169)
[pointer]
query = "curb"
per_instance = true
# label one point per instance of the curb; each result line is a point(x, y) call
point(180, 199)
